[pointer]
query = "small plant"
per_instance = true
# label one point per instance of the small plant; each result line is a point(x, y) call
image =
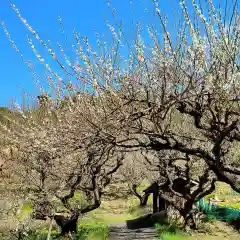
point(92, 232)
point(171, 228)
point(170, 232)
point(208, 218)
point(169, 236)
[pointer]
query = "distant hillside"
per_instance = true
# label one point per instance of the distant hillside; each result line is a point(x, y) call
point(7, 113)
point(4, 110)
point(6, 117)
point(4, 114)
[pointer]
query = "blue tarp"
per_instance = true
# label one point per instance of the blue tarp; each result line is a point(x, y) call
point(226, 214)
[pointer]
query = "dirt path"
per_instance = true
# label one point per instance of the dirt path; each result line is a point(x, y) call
point(121, 232)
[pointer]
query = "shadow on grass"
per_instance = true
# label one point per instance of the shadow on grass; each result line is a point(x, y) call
point(141, 222)
point(148, 220)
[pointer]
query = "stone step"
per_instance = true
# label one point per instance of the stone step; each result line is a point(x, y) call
point(123, 233)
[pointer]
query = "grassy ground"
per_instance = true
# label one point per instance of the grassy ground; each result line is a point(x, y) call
point(113, 211)
point(226, 196)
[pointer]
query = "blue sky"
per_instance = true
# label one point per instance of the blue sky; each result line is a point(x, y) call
point(85, 16)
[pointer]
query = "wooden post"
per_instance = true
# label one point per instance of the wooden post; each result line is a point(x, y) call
point(155, 202)
point(161, 204)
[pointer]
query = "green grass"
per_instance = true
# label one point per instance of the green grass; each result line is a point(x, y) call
point(86, 231)
point(24, 212)
point(92, 231)
point(170, 236)
point(224, 192)
point(171, 232)
point(235, 205)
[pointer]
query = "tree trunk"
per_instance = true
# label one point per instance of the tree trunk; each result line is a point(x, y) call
point(67, 224)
